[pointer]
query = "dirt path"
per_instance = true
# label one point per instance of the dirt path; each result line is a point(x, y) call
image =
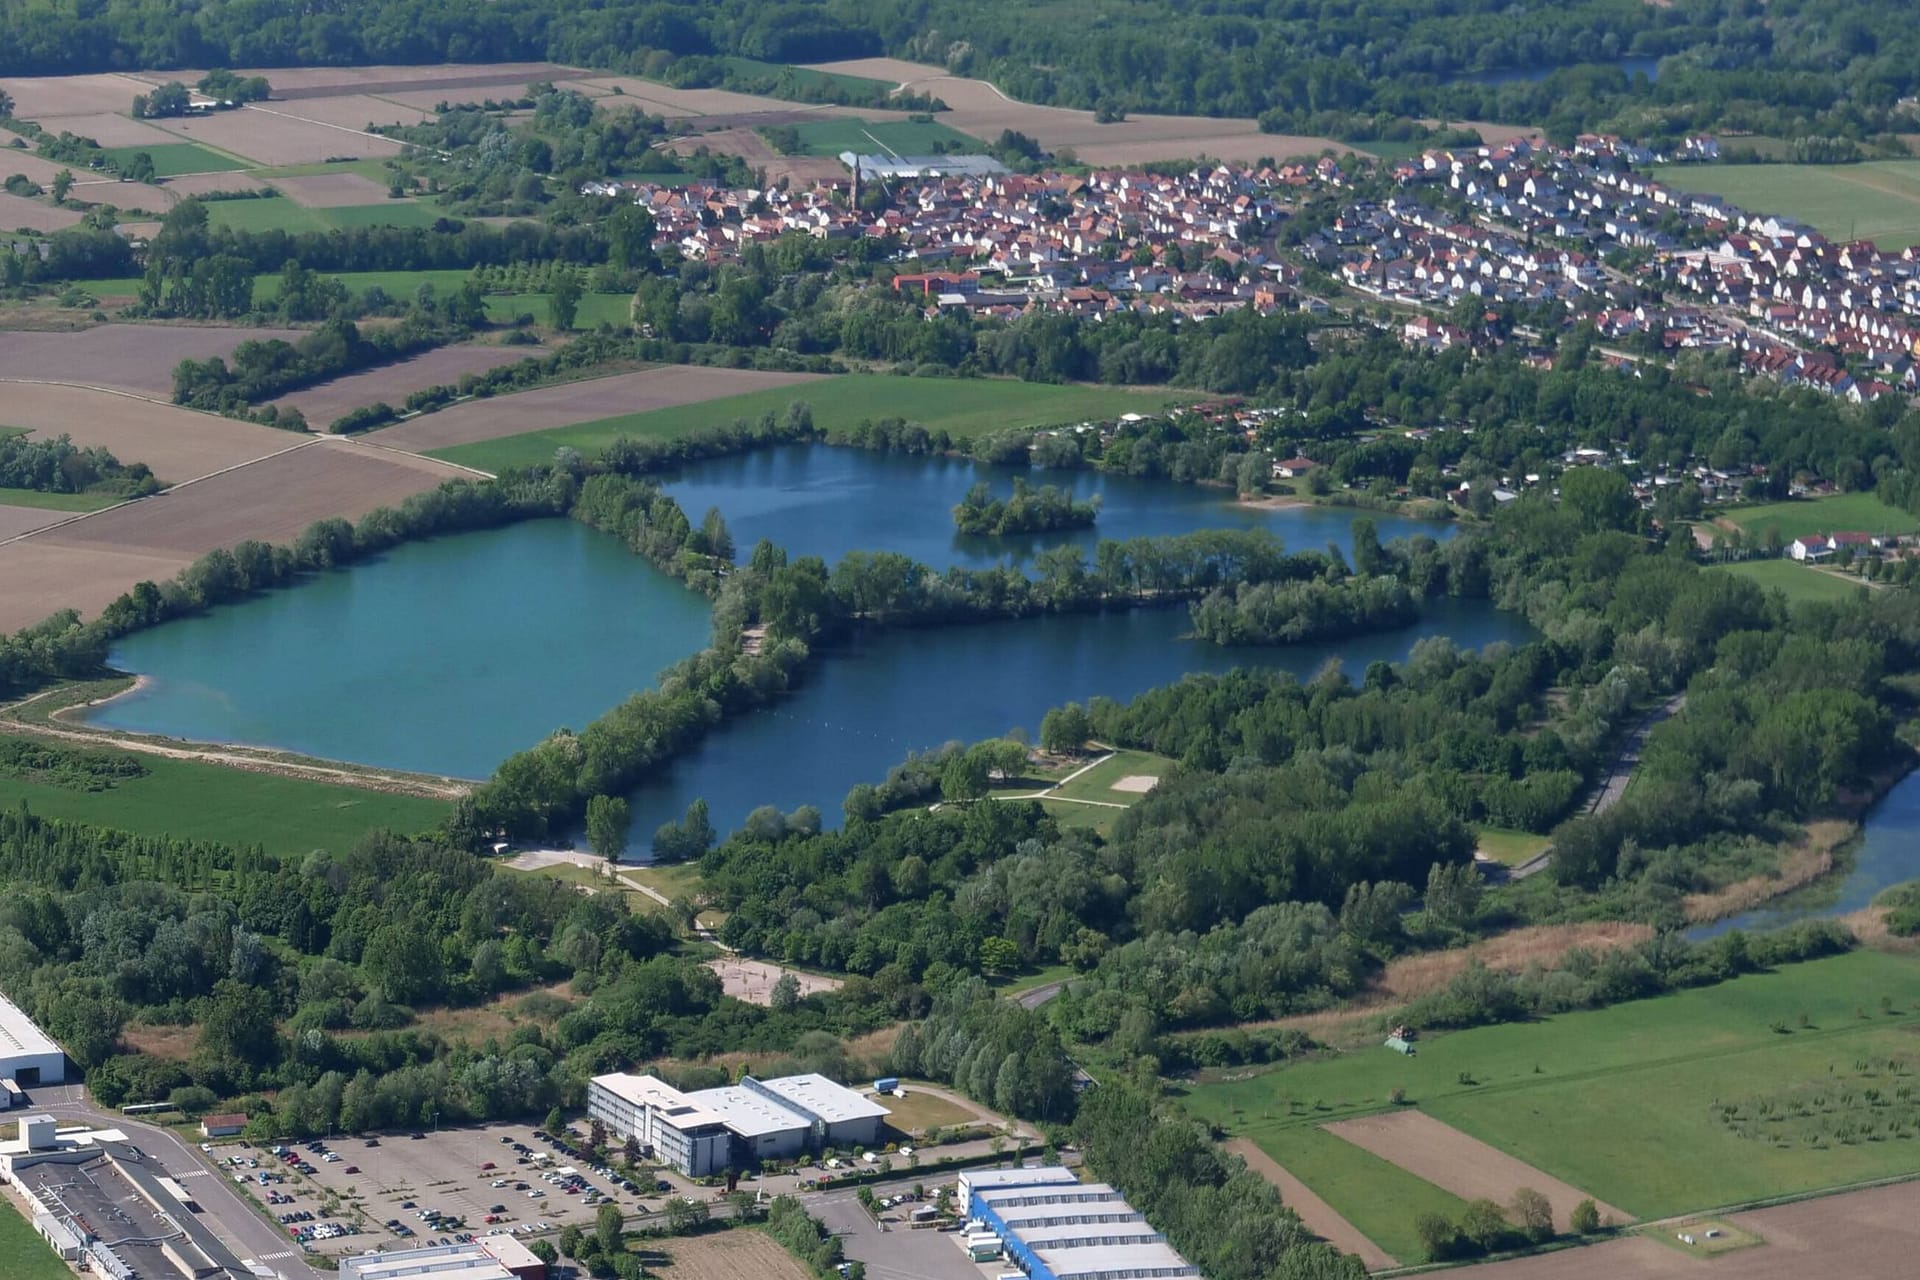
point(1319, 1216)
point(1449, 1159)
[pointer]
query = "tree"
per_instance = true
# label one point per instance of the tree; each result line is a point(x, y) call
point(138, 167)
point(6, 105)
point(567, 291)
point(684, 1215)
point(785, 994)
point(1533, 1213)
point(999, 955)
point(1599, 496)
point(1585, 1218)
point(607, 820)
point(1065, 730)
point(1485, 1224)
point(609, 1229)
point(571, 1238)
point(1439, 1238)
point(62, 184)
point(544, 1250)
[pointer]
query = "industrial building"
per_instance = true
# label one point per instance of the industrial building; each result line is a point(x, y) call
point(889, 167)
point(487, 1258)
point(712, 1130)
point(28, 1056)
point(1054, 1227)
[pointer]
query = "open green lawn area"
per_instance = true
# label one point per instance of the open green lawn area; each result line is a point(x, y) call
point(897, 138)
point(1379, 1198)
point(23, 1254)
point(277, 213)
point(807, 76)
point(1508, 846)
point(673, 879)
point(920, 1111)
point(171, 159)
point(1841, 513)
point(56, 501)
point(595, 308)
point(1605, 1098)
point(1797, 581)
point(198, 801)
point(1098, 782)
point(372, 170)
point(1878, 200)
point(964, 407)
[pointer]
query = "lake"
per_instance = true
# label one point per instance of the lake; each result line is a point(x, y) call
point(826, 501)
point(447, 656)
point(1888, 853)
point(442, 656)
point(865, 707)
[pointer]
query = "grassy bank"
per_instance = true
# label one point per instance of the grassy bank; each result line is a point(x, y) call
point(23, 1254)
point(963, 407)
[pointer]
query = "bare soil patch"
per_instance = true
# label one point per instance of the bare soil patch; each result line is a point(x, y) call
point(19, 213)
point(47, 99)
point(125, 357)
point(665, 100)
point(980, 109)
point(1320, 1217)
point(265, 136)
point(572, 402)
point(753, 980)
point(729, 1255)
point(18, 160)
point(15, 521)
point(330, 190)
point(114, 128)
point(145, 196)
point(354, 110)
point(292, 83)
point(1469, 1168)
point(1875, 1232)
point(1542, 945)
point(179, 444)
point(752, 148)
point(88, 563)
point(175, 1044)
point(325, 402)
point(1136, 783)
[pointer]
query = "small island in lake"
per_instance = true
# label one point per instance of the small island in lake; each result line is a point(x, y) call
point(1029, 510)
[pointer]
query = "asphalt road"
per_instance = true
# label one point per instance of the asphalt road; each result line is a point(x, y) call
point(1614, 787)
point(229, 1211)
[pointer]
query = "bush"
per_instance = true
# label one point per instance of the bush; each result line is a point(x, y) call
point(1585, 1219)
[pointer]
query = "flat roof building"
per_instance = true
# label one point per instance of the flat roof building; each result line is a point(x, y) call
point(712, 1130)
point(28, 1056)
point(488, 1258)
point(973, 1181)
point(1054, 1227)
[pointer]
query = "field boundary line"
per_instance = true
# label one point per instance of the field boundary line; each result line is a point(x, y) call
point(78, 516)
point(288, 115)
point(110, 391)
point(408, 453)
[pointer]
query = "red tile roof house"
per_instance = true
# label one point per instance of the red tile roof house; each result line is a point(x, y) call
point(223, 1126)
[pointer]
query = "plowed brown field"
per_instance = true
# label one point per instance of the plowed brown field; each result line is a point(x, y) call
point(125, 357)
point(1449, 1159)
point(731, 1255)
point(572, 402)
point(179, 444)
point(392, 383)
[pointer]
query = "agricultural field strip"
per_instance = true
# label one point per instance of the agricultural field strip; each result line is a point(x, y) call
point(1320, 1217)
point(1562, 1078)
point(1452, 1160)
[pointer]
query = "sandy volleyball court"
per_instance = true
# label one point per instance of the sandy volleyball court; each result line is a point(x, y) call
point(753, 980)
point(1449, 1159)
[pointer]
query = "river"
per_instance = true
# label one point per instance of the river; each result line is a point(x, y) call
point(447, 656)
point(1887, 853)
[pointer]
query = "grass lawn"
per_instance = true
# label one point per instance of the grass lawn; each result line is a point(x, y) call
point(1878, 200)
point(281, 214)
point(198, 801)
point(1604, 1098)
point(1841, 513)
point(674, 879)
point(1509, 847)
point(391, 213)
point(896, 138)
point(1379, 1198)
point(920, 1111)
point(56, 501)
point(1798, 581)
point(171, 159)
point(807, 76)
point(964, 407)
point(595, 308)
point(1097, 783)
point(372, 170)
point(23, 1254)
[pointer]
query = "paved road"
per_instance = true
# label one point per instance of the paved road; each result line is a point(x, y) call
point(1037, 996)
point(229, 1211)
point(1614, 786)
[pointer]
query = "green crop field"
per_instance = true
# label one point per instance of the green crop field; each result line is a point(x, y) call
point(1841, 513)
point(23, 1254)
point(1878, 200)
point(1379, 1198)
point(171, 159)
point(595, 308)
point(965, 407)
point(277, 213)
point(898, 138)
point(55, 501)
point(1797, 581)
point(393, 213)
point(211, 802)
point(1603, 1098)
point(807, 76)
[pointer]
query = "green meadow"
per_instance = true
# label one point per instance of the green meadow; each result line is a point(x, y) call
point(1798, 582)
point(964, 407)
point(1841, 513)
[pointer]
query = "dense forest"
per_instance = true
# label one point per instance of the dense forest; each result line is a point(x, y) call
point(1795, 69)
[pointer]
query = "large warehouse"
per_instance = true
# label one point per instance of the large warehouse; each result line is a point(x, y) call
point(1055, 1227)
point(27, 1055)
point(712, 1130)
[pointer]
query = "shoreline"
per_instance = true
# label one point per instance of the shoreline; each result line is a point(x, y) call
point(69, 714)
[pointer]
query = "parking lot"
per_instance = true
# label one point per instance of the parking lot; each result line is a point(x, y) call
point(359, 1194)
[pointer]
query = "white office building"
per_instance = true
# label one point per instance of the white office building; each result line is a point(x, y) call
point(712, 1130)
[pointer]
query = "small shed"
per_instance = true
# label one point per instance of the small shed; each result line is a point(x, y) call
point(1400, 1045)
point(224, 1126)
